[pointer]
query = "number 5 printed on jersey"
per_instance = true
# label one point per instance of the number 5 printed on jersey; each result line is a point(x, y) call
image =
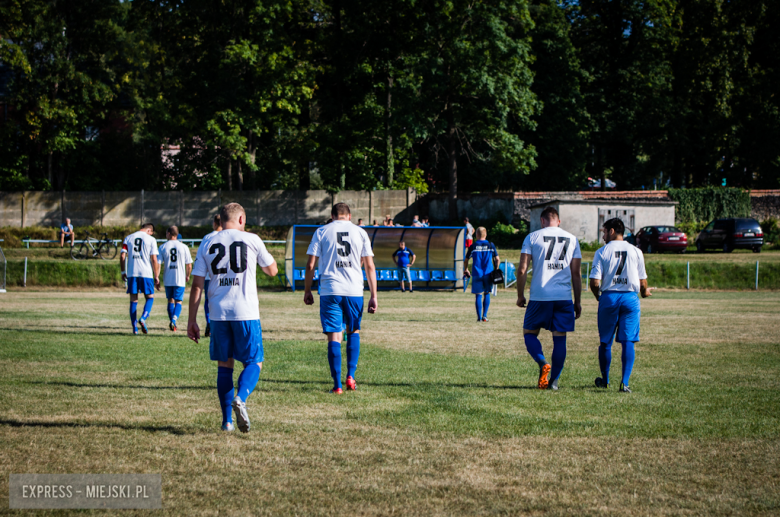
point(347, 248)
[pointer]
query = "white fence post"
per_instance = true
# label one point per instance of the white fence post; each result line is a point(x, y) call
point(24, 284)
point(688, 277)
point(756, 275)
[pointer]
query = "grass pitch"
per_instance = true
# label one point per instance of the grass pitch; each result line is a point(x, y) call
point(446, 420)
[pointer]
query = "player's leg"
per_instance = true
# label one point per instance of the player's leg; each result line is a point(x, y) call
point(169, 295)
point(148, 286)
point(485, 306)
point(225, 392)
point(478, 305)
point(133, 305)
point(247, 347)
point(353, 310)
point(628, 334)
point(608, 318)
point(538, 315)
point(332, 319)
point(408, 273)
point(562, 323)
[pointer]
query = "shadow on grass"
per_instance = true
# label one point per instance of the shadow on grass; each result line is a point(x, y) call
point(84, 330)
point(126, 427)
point(120, 386)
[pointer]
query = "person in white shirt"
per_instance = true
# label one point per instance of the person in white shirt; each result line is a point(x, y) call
point(556, 258)
point(342, 248)
point(141, 271)
point(232, 257)
point(176, 265)
point(617, 276)
point(416, 222)
point(469, 232)
point(215, 224)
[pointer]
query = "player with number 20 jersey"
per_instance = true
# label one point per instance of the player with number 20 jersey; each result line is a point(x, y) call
point(342, 249)
point(232, 257)
point(556, 258)
point(617, 276)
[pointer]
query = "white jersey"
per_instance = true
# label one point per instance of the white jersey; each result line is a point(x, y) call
point(174, 257)
point(202, 249)
point(232, 257)
point(620, 266)
point(139, 247)
point(552, 250)
point(340, 247)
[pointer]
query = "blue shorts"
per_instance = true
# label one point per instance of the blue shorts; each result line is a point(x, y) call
point(555, 316)
point(177, 293)
point(340, 313)
point(137, 285)
point(241, 340)
point(621, 311)
point(481, 284)
point(404, 274)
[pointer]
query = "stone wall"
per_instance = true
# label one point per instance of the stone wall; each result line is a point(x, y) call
point(264, 208)
point(765, 204)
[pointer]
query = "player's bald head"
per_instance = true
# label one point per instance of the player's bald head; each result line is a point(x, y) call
point(340, 211)
point(173, 231)
point(232, 214)
point(481, 233)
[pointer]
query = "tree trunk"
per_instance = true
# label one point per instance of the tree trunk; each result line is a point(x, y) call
point(452, 158)
point(388, 135)
point(240, 176)
point(252, 150)
point(48, 169)
point(230, 174)
point(304, 178)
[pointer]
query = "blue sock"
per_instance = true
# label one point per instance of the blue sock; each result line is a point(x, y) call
point(558, 357)
point(206, 310)
point(353, 352)
point(133, 317)
point(171, 308)
point(248, 380)
point(147, 308)
point(225, 392)
point(628, 360)
point(486, 305)
point(177, 311)
point(534, 347)
point(605, 359)
point(479, 306)
point(334, 360)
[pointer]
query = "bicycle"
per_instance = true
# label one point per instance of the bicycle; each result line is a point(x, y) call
point(106, 249)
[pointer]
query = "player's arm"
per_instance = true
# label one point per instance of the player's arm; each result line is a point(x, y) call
point(522, 277)
point(595, 285)
point(156, 269)
point(368, 264)
point(576, 285)
point(643, 289)
point(188, 268)
point(122, 262)
point(193, 332)
point(308, 298)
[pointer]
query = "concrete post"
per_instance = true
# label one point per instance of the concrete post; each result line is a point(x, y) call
point(62, 206)
point(219, 200)
point(370, 207)
point(102, 206)
point(142, 208)
point(181, 208)
point(24, 209)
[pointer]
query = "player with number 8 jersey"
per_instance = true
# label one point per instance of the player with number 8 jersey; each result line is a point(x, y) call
point(232, 257)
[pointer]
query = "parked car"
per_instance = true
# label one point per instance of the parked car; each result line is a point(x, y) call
point(731, 234)
point(651, 239)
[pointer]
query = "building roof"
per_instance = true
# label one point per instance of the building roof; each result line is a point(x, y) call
point(609, 201)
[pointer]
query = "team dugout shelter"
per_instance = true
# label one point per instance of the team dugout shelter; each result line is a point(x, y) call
point(439, 250)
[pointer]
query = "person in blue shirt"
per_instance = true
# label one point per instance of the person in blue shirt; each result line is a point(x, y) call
point(403, 258)
point(66, 230)
point(486, 259)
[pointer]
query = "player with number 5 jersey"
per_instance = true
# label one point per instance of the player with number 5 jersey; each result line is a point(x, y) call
point(556, 259)
point(232, 257)
point(617, 276)
point(342, 249)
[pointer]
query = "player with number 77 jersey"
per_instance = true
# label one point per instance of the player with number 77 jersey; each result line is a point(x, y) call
point(556, 258)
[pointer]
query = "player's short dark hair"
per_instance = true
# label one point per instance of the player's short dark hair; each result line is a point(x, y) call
point(217, 220)
point(147, 225)
point(340, 209)
point(615, 224)
point(466, 219)
point(174, 231)
point(550, 213)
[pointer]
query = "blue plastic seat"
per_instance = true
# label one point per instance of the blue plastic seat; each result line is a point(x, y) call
point(299, 274)
point(385, 275)
point(413, 274)
point(437, 276)
point(423, 275)
point(450, 275)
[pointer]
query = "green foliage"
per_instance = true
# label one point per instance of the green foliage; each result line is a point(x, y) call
point(706, 204)
point(771, 229)
point(411, 178)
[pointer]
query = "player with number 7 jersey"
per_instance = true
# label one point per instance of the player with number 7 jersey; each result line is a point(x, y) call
point(232, 257)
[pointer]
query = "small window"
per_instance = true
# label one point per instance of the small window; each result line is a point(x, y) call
point(721, 225)
point(709, 227)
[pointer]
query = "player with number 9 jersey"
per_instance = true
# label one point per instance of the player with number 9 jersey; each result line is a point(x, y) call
point(140, 268)
point(556, 257)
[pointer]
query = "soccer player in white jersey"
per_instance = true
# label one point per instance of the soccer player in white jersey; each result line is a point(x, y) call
point(232, 257)
point(341, 248)
point(177, 266)
point(141, 271)
point(199, 255)
point(617, 276)
point(556, 258)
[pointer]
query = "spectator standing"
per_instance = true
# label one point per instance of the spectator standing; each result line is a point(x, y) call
point(469, 232)
point(403, 258)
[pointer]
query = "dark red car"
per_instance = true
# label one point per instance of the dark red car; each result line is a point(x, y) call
point(651, 239)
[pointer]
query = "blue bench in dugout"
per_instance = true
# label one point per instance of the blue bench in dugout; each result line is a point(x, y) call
point(391, 275)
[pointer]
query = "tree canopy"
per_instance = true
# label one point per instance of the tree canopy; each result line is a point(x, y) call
point(449, 96)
